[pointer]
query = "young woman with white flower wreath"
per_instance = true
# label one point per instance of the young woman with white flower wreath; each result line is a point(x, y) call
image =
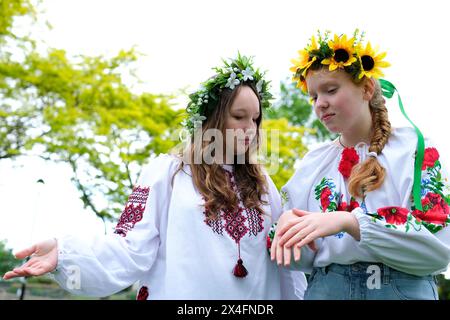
point(190, 230)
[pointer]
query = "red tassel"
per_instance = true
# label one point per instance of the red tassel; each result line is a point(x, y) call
point(239, 269)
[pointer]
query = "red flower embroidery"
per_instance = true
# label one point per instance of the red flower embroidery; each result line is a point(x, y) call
point(268, 242)
point(143, 294)
point(394, 215)
point(430, 157)
point(353, 204)
point(349, 159)
point(325, 198)
point(437, 214)
point(343, 206)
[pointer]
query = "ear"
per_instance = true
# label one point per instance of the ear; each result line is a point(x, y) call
point(368, 89)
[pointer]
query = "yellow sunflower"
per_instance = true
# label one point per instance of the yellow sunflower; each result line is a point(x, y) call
point(343, 51)
point(304, 60)
point(371, 62)
point(301, 83)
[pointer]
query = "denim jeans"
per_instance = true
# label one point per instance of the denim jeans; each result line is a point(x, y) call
point(368, 281)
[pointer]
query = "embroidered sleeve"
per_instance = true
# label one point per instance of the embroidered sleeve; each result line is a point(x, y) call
point(409, 240)
point(109, 263)
point(435, 200)
point(133, 211)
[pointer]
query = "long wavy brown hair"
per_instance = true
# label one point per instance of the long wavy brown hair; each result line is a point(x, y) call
point(211, 180)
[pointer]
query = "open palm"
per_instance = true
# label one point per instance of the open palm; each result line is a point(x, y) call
point(43, 259)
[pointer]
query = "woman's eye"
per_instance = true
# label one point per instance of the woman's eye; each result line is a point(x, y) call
point(332, 90)
point(238, 117)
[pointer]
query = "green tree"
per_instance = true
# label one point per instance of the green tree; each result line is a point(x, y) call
point(284, 147)
point(7, 259)
point(78, 110)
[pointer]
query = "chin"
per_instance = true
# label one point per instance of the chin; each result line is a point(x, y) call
point(333, 129)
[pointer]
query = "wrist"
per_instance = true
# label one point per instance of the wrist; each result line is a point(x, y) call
point(351, 225)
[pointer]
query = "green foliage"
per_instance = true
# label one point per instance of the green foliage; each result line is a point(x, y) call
point(7, 259)
point(11, 9)
point(443, 287)
point(285, 150)
point(79, 111)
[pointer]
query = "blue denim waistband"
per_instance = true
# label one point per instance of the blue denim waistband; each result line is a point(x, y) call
point(367, 268)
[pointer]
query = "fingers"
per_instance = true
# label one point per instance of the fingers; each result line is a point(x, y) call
point(287, 225)
point(273, 247)
point(309, 238)
point(297, 253)
point(291, 232)
point(10, 275)
point(312, 246)
point(299, 212)
point(287, 256)
point(279, 253)
point(26, 252)
point(299, 236)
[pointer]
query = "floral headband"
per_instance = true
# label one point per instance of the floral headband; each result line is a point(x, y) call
point(230, 75)
point(342, 52)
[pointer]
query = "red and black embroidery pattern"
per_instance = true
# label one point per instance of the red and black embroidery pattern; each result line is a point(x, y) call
point(215, 224)
point(234, 224)
point(143, 293)
point(255, 221)
point(134, 210)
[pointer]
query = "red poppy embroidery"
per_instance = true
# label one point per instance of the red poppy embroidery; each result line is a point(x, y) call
point(143, 293)
point(394, 215)
point(344, 206)
point(134, 210)
point(325, 198)
point(430, 157)
point(436, 210)
point(349, 158)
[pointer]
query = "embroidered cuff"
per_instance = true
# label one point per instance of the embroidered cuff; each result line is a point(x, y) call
point(270, 236)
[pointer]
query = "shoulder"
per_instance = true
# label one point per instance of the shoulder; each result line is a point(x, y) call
point(404, 140)
point(319, 155)
point(319, 149)
point(159, 168)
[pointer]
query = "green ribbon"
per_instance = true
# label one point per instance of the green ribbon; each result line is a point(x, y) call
point(388, 90)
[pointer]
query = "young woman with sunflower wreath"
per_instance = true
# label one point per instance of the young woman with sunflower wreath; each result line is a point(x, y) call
point(366, 214)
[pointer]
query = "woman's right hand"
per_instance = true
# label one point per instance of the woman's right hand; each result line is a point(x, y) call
point(43, 259)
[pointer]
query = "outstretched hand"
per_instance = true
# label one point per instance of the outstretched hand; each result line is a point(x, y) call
point(43, 259)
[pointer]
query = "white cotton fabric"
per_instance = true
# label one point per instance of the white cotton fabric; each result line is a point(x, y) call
point(174, 253)
point(415, 252)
